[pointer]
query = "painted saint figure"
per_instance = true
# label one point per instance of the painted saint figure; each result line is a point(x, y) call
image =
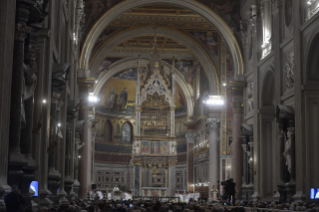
point(110, 98)
point(123, 100)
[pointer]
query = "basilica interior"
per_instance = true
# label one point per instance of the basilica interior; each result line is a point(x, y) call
point(173, 96)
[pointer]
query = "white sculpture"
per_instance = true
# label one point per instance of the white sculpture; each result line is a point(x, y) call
point(250, 98)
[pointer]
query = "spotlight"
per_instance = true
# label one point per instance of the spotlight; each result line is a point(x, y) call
point(215, 100)
point(251, 159)
point(96, 81)
point(59, 125)
point(93, 98)
point(79, 156)
point(44, 101)
point(224, 84)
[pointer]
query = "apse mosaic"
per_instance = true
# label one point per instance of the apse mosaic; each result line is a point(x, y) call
point(155, 147)
point(118, 94)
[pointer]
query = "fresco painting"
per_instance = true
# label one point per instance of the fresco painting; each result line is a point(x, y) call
point(130, 74)
point(155, 147)
point(145, 147)
point(209, 39)
point(165, 147)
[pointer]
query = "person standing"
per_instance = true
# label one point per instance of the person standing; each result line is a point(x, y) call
point(123, 100)
point(14, 200)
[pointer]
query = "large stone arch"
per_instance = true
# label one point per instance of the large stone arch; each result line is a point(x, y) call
point(186, 40)
point(310, 112)
point(197, 7)
point(132, 62)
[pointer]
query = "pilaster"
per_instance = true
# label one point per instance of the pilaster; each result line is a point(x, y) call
point(7, 17)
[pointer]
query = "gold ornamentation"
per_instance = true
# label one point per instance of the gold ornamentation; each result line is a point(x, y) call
point(162, 193)
point(155, 101)
point(237, 107)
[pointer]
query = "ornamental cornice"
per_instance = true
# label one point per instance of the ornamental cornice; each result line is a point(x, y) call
point(151, 20)
point(212, 123)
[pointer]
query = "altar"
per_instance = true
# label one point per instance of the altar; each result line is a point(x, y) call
point(154, 192)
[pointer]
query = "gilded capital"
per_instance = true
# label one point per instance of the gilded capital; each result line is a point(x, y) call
point(237, 107)
point(190, 137)
point(21, 32)
point(212, 123)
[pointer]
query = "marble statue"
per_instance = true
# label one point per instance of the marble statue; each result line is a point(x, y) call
point(250, 98)
point(289, 70)
point(29, 85)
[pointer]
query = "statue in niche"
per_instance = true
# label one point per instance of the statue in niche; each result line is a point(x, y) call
point(287, 151)
point(29, 85)
point(126, 133)
point(250, 98)
point(289, 70)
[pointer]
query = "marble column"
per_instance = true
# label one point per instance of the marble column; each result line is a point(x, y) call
point(213, 176)
point(85, 154)
point(245, 170)
point(7, 18)
point(172, 133)
point(137, 180)
point(61, 156)
point(171, 180)
point(41, 135)
point(190, 138)
point(237, 166)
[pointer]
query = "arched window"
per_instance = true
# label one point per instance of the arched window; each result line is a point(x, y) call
point(126, 133)
point(108, 131)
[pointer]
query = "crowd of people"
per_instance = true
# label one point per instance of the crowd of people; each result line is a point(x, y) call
point(185, 197)
point(14, 203)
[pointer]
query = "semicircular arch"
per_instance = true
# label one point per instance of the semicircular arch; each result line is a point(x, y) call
point(132, 63)
point(197, 7)
point(186, 40)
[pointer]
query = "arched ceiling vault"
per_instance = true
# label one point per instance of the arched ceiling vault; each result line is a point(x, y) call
point(132, 63)
point(199, 8)
point(186, 40)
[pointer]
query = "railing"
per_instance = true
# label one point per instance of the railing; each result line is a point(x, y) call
point(162, 199)
point(252, 209)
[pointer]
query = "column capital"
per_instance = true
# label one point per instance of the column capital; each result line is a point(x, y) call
point(237, 107)
point(213, 123)
point(190, 137)
point(21, 32)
